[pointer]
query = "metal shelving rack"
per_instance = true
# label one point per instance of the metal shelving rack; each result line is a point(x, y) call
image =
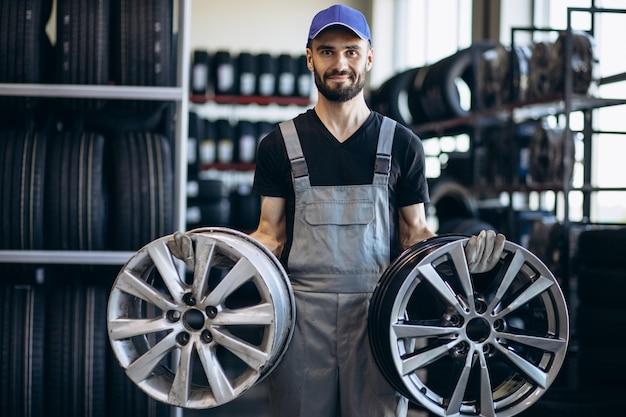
point(178, 94)
point(563, 104)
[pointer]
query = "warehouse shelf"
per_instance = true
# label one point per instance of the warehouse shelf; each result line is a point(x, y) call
point(244, 100)
point(515, 112)
point(239, 166)
point(65, 257)
point(92, 91)
point(177, 94)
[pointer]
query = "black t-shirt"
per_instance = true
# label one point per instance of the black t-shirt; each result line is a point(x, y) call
point(351, 162)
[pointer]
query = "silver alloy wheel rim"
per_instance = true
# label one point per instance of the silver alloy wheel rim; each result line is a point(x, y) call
point(201, 342)
point(464, 344)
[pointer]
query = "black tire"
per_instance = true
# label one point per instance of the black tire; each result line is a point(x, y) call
point(76, 206)
point(22, 339)
point(142, 38)
point(76, 349)
point(593, 322)
point(493, 80)
point(22, 47)
point(418, 112)
point(392, 97)
point(583, 62)
point(82, 47)
point(550, 151)
point(450, 200)
point(601, 286)
point(22, 166)
point(142, 189)
point(440, 97)
point(539, 86)
point(465, 226)
point(602, 247)
point(601, 368)
point(575, 403)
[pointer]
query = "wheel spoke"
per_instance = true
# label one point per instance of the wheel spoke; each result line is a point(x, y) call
point(457, 253)
point(420, 360)
point(534, 373)
point(432, 276)
point(236, 277)
point(456, 400)
point(142, 368)
point(260, 314)
point(405, 330)
point(133, 285)
point(162, 258)
point(220, 385)
point(511, 272)
point(251, 355)
point(544, 343)
point(179, 391)
point(486, 392)
point(528, 294)
point(125, 328)
point(202, 267)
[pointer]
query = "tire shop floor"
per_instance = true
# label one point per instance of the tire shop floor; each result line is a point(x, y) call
point(253, 403)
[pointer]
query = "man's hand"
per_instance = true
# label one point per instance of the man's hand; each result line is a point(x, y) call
point(484, 250)
point(181, 246)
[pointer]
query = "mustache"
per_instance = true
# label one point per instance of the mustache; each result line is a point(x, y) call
point(336, 72)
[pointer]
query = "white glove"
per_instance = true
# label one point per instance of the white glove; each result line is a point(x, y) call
point(181, 247)
point(484, 250)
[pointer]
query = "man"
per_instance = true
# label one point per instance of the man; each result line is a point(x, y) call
point(343, 193)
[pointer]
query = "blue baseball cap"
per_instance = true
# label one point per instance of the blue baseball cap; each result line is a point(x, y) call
point(340, 15)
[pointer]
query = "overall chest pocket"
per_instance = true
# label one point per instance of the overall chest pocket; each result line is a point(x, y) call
point(340, 213)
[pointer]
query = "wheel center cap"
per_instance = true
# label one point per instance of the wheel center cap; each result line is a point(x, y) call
point(194, 319)
point(478, 329)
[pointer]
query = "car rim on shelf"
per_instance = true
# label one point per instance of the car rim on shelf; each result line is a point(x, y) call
point(463, 344)
point(200, 338)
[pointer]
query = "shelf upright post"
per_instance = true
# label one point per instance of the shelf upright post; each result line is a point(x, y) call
point(182, 134)
point(182, 115)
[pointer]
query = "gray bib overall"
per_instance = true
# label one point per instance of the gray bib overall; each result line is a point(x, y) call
point(339, 251)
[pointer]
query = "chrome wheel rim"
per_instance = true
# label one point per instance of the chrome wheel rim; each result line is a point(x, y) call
point(464, 344)
point(200, 338)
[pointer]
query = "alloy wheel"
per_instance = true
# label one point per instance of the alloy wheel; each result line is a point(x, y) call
point(462, 344)
point(199, 337)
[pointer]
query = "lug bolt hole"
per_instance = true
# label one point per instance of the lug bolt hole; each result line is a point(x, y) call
point(173, 316)
point(189, 299)
point(211, 312)
point(462, 348)
point(182, 338)
point(480, 306)
point(499, 325)
point(206, 336)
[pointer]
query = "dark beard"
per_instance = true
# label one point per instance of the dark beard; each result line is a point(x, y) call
point(341, 94)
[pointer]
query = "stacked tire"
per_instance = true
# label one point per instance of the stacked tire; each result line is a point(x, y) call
point(596, 383)
point(487, 75)
point(80, 174)
point(601, 311)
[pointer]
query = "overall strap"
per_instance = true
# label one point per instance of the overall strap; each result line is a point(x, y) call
point(382, 166)
point(299, 167)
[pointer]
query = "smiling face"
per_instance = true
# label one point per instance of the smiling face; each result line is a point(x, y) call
point(339, 60)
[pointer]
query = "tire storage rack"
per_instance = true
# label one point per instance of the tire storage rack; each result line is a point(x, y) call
point(513, 151)
point(93, 165)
